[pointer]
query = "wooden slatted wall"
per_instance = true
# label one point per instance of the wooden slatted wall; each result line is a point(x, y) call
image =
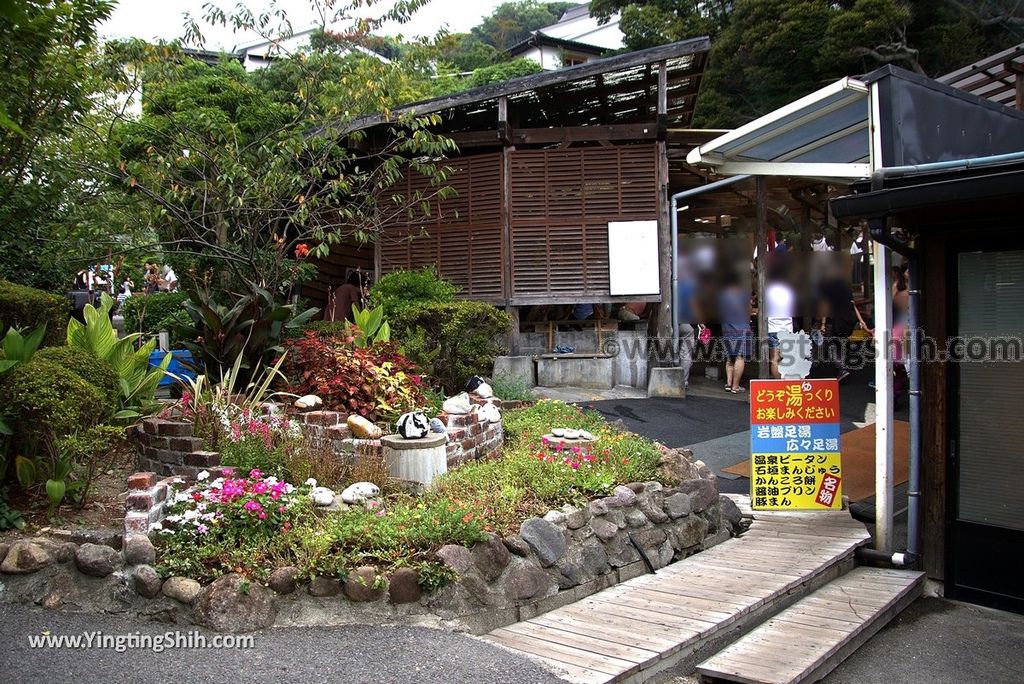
point(461, 234)
point(562, 201)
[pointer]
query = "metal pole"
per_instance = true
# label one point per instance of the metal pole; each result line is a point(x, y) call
point(761, 239)
point(883, 400)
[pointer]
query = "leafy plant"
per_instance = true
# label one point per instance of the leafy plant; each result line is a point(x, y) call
point(149, 314)
point(46, 397)
point(89, 451)
point(371, 327)
point(10, 518)
point(402, 289)
point(511, 388)
point(87, 366)
point(452, 341)
point(376, 382)
point(247, 334)
point(18, 348)
point(137, 381)
point(27, 308)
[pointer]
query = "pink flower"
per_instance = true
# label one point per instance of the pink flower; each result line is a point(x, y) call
point(262, 515)
point(575, 450)
point(253, 505)
point(202, 529)
point(260, 487)
point(255, 474)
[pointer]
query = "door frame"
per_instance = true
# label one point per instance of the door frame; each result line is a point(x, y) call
point(1001, 237)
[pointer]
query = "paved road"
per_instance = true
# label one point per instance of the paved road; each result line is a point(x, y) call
point(350, 654)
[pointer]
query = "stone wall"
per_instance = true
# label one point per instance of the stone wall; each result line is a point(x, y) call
point(146, 502)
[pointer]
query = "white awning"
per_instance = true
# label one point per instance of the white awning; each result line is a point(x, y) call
point(824, 135)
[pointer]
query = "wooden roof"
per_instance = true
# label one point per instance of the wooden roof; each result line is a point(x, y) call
point(994, 77)
point(621, 89)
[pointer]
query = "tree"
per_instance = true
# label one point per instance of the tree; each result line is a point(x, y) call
point(249, 173)
point(512, 22)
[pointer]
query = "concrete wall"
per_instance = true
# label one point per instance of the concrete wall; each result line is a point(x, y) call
point(628, 349)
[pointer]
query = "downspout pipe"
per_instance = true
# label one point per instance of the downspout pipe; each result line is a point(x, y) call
point(674, 213)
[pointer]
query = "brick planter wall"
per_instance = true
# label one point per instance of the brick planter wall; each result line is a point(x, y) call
point(471, 438)
point(146, 502)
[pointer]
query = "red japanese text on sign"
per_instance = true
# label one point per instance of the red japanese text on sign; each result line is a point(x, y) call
point(794, 401)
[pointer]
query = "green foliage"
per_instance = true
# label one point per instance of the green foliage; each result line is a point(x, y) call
point(16, 348)
point(27, 308)
point(370, 327)
point(320, 328)
point(504, 71)
point(252, 452)
point(452, 341)
point(398, 290)
point(150, 314)
point(510, 388)
point(10, 518)
point(249, 332)
point(90, 451)
point(532, 477)
point(95, 371)
point(137, 382)
point(45, 397)
point(512, 22)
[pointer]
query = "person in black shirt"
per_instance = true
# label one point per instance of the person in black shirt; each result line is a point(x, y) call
point(838, 318)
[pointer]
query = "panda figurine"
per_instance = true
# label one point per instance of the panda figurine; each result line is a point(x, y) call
point(479, 387)
point(413, 425)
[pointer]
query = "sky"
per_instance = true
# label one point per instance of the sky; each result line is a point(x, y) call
point(164, 19)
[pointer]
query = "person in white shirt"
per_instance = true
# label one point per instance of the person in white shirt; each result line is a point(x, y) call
point(820, 244)
point(780, 302)
point(169, 282)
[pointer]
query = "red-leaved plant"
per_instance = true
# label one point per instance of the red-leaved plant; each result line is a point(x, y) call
point(377, 382)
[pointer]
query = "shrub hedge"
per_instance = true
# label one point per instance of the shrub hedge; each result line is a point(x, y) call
point(402, 289)
point(86, 365)
point(451, 341)
point(149, 314)
point(45, 396)
point(27, 307)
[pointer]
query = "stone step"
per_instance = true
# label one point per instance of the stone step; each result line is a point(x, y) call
point(687, 610)
point(810, 638)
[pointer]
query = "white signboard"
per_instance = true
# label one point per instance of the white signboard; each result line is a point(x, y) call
point(633, 257)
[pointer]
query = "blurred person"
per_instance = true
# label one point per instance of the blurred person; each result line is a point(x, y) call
point(169, 280)
point(151, 278)
point(838, 316)
point(343, 298)
point(780, 305)
point(819, 243)
point(734, 312)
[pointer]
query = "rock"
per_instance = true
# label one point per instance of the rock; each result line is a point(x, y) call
point(546, 540)
point(404, 586)
point(678, 505)
point(624, 495)
point(24, 557)
point(595, 558)
point(676, 465)
point(182, 589)
point(636, 519)
point(457, 405)
point(575, 518)
point(456, 557)
point(730, 513)
point(324, 586)
point(666, 553)
point(703, 493)
point(4, 548)
point(234, 604)
point(359, 492)
point(516, 545)
point(338, 505)
point(490, 557)
point(635, 487)
point(97, 560)
point(363, 429)
point(308, 402)
point(282, 580)
point(146, 581)
point(617, 516)
point(687, 532)
point(437, 426)
point(138, 550)
point(620, 551)
point(413, 425)
point(361, 585)
point(322, 496)
point(604, 529)
point(524, 580)
point(490, 413)
point(597, 507)
point(652, 510)
point(556, 518)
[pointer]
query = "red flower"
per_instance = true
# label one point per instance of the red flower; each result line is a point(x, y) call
point(301, 250)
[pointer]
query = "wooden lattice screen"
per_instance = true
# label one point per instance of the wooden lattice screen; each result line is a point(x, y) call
point(461, 235)
point(562, 201)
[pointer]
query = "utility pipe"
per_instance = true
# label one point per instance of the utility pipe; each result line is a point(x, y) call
point(674, 212)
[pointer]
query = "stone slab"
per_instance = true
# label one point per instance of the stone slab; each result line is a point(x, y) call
point(399, 443)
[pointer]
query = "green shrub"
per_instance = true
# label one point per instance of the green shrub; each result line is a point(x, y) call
point(252, 453)
point(451, 341)
point(510, 388)
point(321, 328)
point(87, 366)
point(400, 290)
point(149, 314)
point(26, 307)
point(45, 397)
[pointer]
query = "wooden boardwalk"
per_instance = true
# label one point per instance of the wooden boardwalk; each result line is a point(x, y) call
point(639, 627)
point(809, 639)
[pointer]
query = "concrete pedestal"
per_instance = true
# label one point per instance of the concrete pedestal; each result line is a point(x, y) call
point(416, 460)
point(667, 382)
point(596, 371)
point(519, 368)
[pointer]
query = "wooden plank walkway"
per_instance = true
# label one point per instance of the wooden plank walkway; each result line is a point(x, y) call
point(810, 638)
point(636, 626)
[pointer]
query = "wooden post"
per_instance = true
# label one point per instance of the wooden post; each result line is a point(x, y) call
point(761, 239)
point(665, 257)
point(506, 208)
point(513, 338)
point(1018, 71)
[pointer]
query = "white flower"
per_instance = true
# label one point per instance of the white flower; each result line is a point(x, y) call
point(181, 496)
point(155, 526)
point(178, 480)
point(173, 518)
point(203, 475)
point(311, 482)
